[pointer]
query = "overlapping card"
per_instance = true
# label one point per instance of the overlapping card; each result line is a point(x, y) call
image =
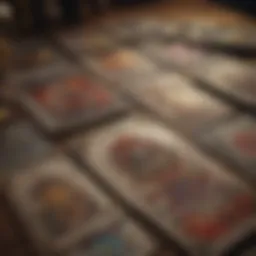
point(222, 35)
point(21, 146)
point(187, 196)
point(178, 54)
point(66, 100)
point(230, 76)
point(235, 139)
point(176, 98)
point(62, 208)
point(120, 64)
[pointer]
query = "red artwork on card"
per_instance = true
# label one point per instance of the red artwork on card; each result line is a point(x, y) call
point(144, 159)
point(73, 96)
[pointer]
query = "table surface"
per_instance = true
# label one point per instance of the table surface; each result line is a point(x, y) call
point(13, 240)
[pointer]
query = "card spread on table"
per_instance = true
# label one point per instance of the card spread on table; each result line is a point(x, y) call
point(175, 97)
point(21, 146)
point(61, 201)
point(178, 54)
point(119, 63)
point(71, 101)
point(230, 76)
point(118, 239)
point(236, 139)
point(168, 181)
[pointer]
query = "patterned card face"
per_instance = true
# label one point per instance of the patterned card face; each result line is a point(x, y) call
point(119, 239)
point(177, 54)
point(230, 76)
point(236, 140)
point(30, 55)
point(87, 43)
point(120, 64)
point(175, 97)
point(21, 146)
point(168, 181)
point(69, 102)
point(57, 202)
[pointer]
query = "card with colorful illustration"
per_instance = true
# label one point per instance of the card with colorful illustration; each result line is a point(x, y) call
point(21, 146)
point(33, 54)
point(167, 180)
point(176, 54)
point(87, 42)
point(56, 202)
point(70, 101)
point(230, 76)
point(121, 238)
point(176, 98)
point(120, 64)
point(236, 140)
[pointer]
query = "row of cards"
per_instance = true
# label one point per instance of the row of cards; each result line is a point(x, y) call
point(225, 74)
point(180, 191)
point(134, 32)
point(66, 213)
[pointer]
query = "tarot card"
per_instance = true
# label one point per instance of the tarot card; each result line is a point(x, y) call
point(177, 54)
point(69, 101)
point(82, 42)
point(168, 181)
point(120, 64)
point(236, 140)
point(174, 97)
point(120, 239)
point(230, 76)
point(21, 146)
point(57, 202)
point(34, 54)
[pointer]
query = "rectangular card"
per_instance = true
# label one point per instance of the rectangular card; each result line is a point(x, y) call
point(176, 98)
point(236, 140)
point(222, 35)
point(69, 100)
point(176, 54)
point(56, 202)
point(230, 76)
point(121, 238)
point(21, 147)
point(119, 65)
point(34, 54)
point(87, 42)
point(178, 189)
